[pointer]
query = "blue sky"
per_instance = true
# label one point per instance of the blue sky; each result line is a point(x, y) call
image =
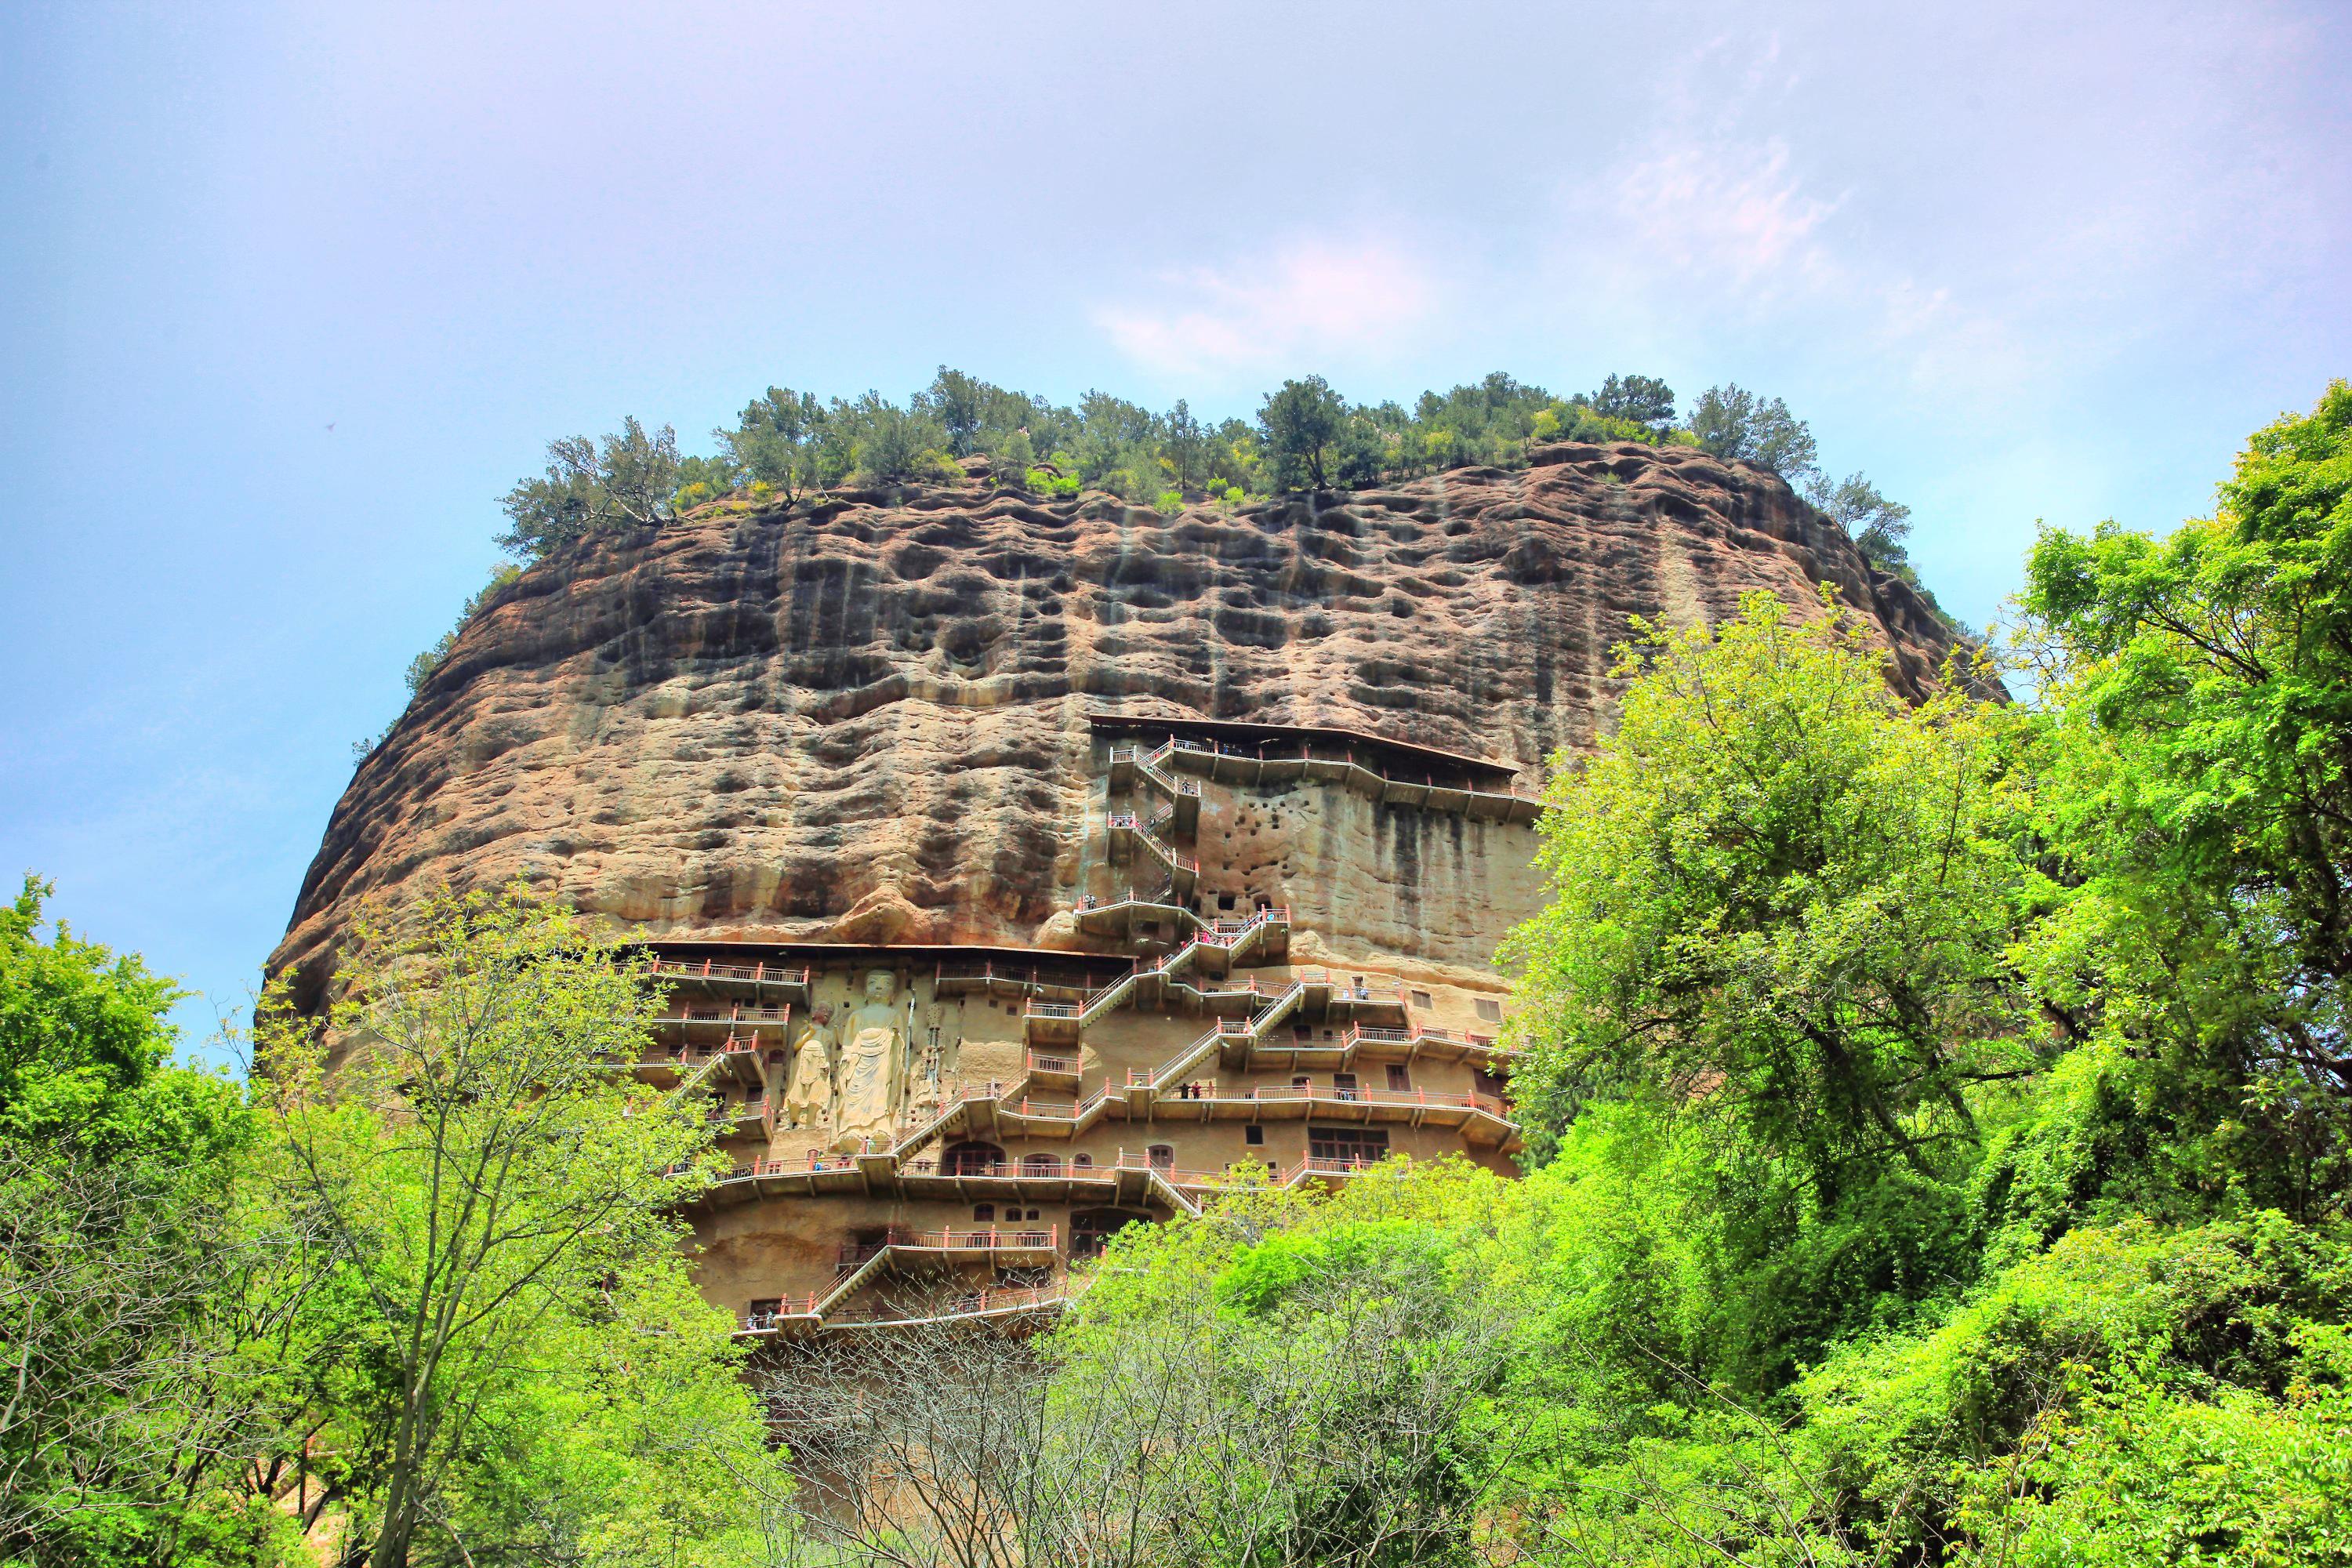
point(287, 297)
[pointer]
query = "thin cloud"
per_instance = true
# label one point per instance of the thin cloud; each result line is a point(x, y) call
point(1726, 207)
point(1310, 303)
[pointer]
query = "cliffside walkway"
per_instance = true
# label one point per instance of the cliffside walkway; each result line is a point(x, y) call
point(1273, 762)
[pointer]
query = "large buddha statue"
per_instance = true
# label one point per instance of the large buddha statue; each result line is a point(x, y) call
point(809, 1098)
point(873, 1065)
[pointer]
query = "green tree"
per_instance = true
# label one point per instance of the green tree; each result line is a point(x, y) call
point(627, 481)
point(1877, 526)
point(1784, 897)
point(1781, 930)
point(1732, 422)
point(961, 404)
point(1644, 399)
point(499, 1194)
point(123, 1266)
point(1187, 447)
point(1487, 421)
point(2203, 790)
point(1301, 424)
point(1364, 453)
point(777, 440)
point(702, 479)
point(875, 437)
point(1282, 1382)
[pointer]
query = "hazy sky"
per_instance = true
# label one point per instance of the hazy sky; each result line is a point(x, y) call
point(289, 297)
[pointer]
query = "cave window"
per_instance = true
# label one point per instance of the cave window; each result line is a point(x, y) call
point(1254, 1135)
point(1490, 1009)
point(983, 1212)
point(1398, 1077)
point(1421, 999)
point(1224, 901)
point(1162, 1157)
point(1082, 1161)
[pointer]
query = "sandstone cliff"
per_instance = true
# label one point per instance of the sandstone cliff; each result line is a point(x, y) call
point(863, 721)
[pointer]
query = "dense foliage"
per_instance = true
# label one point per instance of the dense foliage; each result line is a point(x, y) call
point(125, 1268)
point(440, 1315)
point(787, 445)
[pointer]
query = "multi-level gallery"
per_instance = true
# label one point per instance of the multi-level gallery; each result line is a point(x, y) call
point(936, 1131)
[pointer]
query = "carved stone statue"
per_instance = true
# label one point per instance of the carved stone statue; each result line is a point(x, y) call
point(809, 1100)
point(873, 1065)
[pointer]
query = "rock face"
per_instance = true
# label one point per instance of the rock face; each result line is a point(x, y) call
point(868, 722)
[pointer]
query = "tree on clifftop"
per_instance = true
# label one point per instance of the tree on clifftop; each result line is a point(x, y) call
point(1732, 422)
point(1302, 423)
point(629, 479)
point(1877, 526)
point(777, 440)
point(1645, 399)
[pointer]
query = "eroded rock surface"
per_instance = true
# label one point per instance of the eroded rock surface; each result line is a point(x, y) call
point(867, 722)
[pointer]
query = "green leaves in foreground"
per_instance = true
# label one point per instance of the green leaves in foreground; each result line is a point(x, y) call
point(1784, 901)
point(526, 1368)
point(431, 1307)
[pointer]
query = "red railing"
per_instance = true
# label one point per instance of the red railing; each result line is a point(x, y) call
point(1327, 1165)
point(1129, 1160)
point(710, 969)
point(1379, 1035)
point(1002, 1170)
point(1024, 1106)
point(812, 1162)
point(1033, 1062)
point(755, 1016)
point(1296, 1094)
